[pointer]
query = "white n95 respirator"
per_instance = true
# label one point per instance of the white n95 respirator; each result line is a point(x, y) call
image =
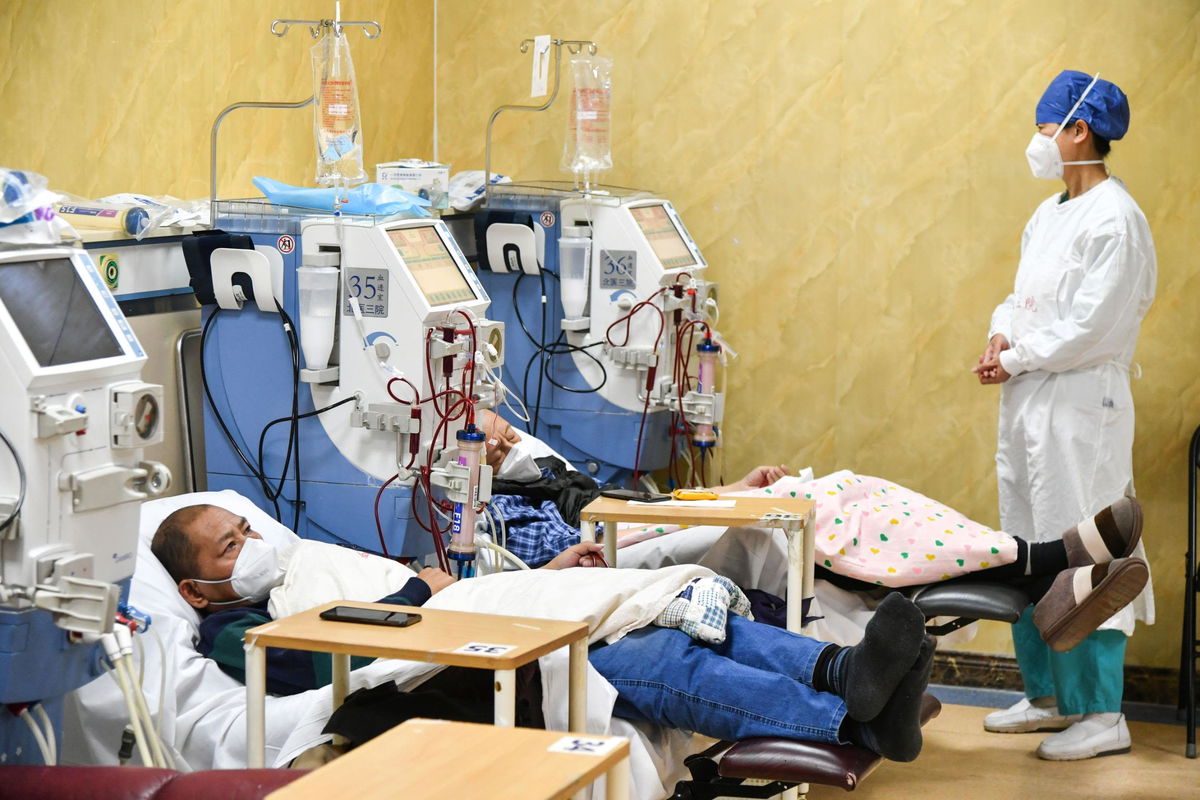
point(518, 464)
point(255, 573)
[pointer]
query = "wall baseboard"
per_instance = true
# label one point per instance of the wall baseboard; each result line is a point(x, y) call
point(1158, 685)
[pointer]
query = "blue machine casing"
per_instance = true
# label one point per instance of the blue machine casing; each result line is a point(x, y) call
point(249, 368)
point(24, 677)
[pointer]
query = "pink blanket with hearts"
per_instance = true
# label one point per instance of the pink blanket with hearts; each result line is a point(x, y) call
point(880, 532)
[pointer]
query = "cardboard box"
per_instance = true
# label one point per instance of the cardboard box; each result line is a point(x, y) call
point(426, 179)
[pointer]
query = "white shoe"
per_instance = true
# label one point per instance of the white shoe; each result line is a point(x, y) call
point(1025, 717)
point(1103, 734)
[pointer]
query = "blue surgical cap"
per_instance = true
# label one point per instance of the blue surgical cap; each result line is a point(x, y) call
point(1105, 109)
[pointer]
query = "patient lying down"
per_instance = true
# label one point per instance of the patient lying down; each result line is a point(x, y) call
point(872, 532)
point(693, 667)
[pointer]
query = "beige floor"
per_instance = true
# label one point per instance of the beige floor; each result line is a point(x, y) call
point(962, 762)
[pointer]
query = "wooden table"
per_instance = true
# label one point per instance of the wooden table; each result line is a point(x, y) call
point(425, 758)
point(454, 638)
point(793, 515)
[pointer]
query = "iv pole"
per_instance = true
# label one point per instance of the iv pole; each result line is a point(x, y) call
point(280, 28)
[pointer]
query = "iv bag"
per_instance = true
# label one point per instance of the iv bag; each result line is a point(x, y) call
point(335, 122)
point(588, 147)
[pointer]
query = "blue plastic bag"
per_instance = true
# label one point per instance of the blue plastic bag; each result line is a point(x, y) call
point(369, 198)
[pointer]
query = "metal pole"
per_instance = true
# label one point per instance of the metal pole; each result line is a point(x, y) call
point(1188, 644)
point(212, 155)
point(487, 153)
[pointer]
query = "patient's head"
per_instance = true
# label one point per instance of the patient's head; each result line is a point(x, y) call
point(200, 546)
point(507, 452)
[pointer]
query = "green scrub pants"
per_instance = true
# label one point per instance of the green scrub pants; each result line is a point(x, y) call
point(1086, 679)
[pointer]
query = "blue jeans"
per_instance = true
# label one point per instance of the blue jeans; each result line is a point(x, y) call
point(757, 683)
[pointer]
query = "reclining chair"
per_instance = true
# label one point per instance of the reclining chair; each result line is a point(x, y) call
point(722, 769)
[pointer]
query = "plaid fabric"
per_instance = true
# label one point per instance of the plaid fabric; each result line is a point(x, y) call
point(536, 531)
point(702, 608)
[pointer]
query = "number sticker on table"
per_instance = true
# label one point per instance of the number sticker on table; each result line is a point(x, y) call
point(485, 649)
point(581, 745)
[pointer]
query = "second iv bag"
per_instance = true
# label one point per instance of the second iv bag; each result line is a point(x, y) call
point(588, 145)
point(336, 123)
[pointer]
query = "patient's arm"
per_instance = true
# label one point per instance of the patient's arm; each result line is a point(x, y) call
point(293, 671)
point(756, 478)
point(584, 554)
point(288, 671)
point(434, 578)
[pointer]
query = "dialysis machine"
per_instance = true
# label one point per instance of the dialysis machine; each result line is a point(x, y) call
point(609, 319)
point(74, 417)
point(348, 440)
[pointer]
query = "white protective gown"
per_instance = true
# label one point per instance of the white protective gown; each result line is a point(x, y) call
point(1086, 279)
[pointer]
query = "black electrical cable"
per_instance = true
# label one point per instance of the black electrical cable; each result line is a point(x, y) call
point(22, 483)
point(294, 439)
point(272, 493)
point(560, 347)
point(266, 428)
point(542, 352)
point(255, 471)
point(537, 408)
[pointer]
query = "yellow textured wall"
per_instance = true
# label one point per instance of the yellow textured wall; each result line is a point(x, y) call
point(105, 96)
point(854, 173)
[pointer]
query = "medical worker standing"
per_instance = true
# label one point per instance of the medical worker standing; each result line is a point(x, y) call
point(1062, 345)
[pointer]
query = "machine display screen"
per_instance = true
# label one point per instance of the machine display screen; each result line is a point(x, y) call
point(431, 264)
point(55, 312)
point(663, 236)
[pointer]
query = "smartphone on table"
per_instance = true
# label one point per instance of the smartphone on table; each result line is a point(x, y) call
point(371, 616)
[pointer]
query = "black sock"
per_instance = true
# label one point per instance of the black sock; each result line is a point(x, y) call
point(822, 677)
point(1047, 558)
point(896, 732)
point(1033, 560)
point(866, 675)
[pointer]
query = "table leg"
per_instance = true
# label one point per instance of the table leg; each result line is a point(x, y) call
point(340, 685)
point(577, 693)
point(809, 557)
point(801, 572)
point(587, 530)
point(505, 714)
point(795, 580)
point(610, 542)
point(341, 677)
point(256, 706)
point(617, 784)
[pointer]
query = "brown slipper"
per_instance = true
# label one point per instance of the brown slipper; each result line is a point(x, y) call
point(1084, 597)
point(1112, 533)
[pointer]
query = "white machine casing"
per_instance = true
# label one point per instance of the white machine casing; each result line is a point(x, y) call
point(625, 269)
point(84, 467)
point(397, 339)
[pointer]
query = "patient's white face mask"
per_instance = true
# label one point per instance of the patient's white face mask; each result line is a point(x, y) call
point(518, 465)
point(255, 573)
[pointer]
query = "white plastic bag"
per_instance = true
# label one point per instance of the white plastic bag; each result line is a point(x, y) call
point(27, 213)
point(587, 148)
point(336, 122)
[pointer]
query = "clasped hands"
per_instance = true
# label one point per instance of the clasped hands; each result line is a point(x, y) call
point(989, 369)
